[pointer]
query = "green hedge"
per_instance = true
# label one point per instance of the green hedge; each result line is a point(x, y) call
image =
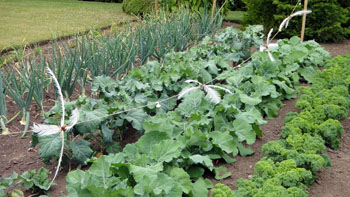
point(328, 22)
point(138, 7)
point(237, 5)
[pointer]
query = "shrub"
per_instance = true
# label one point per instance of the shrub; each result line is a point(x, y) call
point(138, 7)
point(327, 22)
point(259, 13)
point(109, 1)
point(197, 5)
point(237, 5)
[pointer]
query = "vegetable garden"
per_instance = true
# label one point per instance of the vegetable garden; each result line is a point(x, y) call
point(191, 98)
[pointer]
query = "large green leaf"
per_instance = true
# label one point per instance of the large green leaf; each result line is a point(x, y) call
point(161, 123)
point(50, 147)
point(182, 179)
point(101, 168)
point(200, 188)
point(93, 118)
point(136, 117)
point(105, 85)
point(244, 151)
point(221, 173)
point(149, 139)
point(75, 183)
point(225, 141)
point(191, 103)
point(244, 131)
point(140, 172)
point(195, 172)
point(81, 151)
point(221, 123)
point(163, 184)
point(196, 138)
point(107, 133)
point(267, 69)
point(271, 108)
point(283, 86)
point(236, 79)
point(295, 56)
point(291, 68)
point(204, 160)
point(166, 150)
point(249, 100)
point(264, 87)
point(133, 85)
point(309, 73)
point(251, 116)
point(154, 185)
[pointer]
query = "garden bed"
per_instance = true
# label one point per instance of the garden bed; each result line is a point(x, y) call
point(14, 159)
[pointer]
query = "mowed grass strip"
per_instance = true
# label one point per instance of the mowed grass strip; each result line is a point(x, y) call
point(30, 21)
point(235, 16)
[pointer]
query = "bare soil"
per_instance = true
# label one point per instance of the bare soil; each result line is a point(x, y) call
point(15, 156)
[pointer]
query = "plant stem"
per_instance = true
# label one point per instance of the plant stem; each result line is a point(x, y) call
point(5, 130)
point(26, 125)
point(14, 117)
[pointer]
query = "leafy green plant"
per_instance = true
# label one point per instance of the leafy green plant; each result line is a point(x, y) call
point(20, 93)
point(331, 130)
point(68, 66)
point(221, 190)
point(36, 181)
point(273, 179)
point(301, 152)
point(187, 135)
point(32, 74)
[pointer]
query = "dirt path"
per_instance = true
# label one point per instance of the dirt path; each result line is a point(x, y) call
point(336, 181)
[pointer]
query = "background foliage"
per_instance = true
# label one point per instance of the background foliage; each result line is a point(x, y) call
point(109, 1)
point(329, 20)
point(139, 7)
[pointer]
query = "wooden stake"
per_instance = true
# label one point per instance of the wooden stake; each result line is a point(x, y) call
point(213, 10)
point(157, 7)
point(303, 23)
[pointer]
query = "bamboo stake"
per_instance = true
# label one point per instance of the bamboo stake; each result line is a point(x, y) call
point(156, 7)
point(304, 21)
point(213, 10)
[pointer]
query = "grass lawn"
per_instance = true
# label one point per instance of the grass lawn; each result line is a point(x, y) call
point(31, 21)
point(235, 16)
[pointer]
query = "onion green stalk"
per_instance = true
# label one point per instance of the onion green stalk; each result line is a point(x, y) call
point(5, 130)
point(21, 94)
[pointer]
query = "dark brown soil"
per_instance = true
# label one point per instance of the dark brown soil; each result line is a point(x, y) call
point(336, 181)
point(15, 157)
point(338, 48)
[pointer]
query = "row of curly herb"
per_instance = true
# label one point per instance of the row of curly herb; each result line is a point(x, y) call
point(292, 163)
point(181, 139)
